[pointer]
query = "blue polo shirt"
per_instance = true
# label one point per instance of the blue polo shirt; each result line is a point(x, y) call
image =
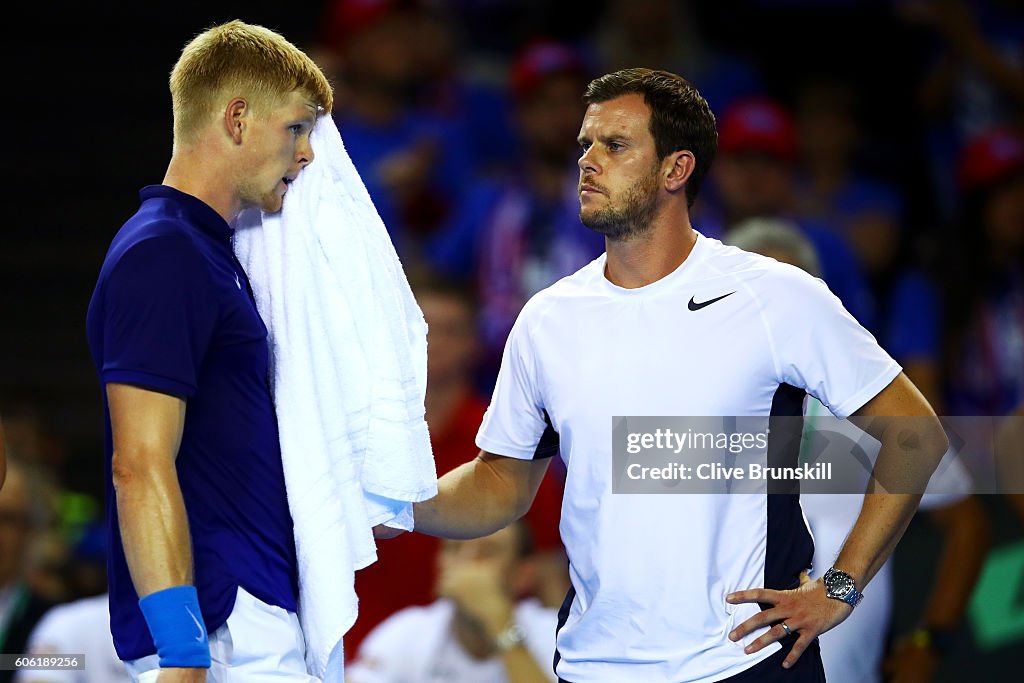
point(173, 312)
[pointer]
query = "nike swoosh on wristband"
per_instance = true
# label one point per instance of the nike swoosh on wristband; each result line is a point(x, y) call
point(694, 306)
point(202, 632)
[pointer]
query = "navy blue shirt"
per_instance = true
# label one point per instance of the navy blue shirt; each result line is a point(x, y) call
point(173, 312)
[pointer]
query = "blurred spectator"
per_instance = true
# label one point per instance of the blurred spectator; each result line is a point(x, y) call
point(414, 163)
point(666, 35)
point(453, 412)
point(28, 435)
point(20, 606)
point(464, 93)
point(754, 176)
point(986, 279)
point(478, 631)
point(869, 216)
point(31, 441)
point(831, 189)
point(518, 234)
point(80, 627)
point(853, 652)
point(976, 78)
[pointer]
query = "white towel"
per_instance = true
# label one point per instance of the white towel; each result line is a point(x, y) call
point(349, 368)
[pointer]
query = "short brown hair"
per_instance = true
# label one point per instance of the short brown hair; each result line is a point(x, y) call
point(249, 60)
point(680, 116)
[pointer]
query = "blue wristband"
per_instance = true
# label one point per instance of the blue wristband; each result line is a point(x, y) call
point(176, 624)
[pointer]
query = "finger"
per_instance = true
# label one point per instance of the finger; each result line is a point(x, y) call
point(772, 635)
point(799, 646)
point(753, 595)
point(759, 620)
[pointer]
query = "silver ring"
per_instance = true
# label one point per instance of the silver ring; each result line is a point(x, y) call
point(786, 629)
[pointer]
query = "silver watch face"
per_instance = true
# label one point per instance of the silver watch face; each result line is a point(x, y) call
point(838, 584)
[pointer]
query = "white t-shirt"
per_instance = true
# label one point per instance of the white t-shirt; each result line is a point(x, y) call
point(852, 652)
point(79, 627)
point(418, 645)
point(650, 572)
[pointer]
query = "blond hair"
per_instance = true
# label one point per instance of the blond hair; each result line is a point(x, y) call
point(244, 60)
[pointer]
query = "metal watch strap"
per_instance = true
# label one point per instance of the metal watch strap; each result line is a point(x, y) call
point(509, 638)
point(852, 597)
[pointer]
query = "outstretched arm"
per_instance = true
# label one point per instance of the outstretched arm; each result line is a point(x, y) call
point(481, 496)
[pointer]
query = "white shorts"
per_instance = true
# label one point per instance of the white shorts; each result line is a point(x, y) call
point(259, 642)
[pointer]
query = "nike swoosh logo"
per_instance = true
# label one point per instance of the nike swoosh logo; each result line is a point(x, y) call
point(694, 306)
point(202, 632)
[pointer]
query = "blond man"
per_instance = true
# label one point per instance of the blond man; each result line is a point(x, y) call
point(202, 565)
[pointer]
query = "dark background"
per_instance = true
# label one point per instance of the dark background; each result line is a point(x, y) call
point(89, 123)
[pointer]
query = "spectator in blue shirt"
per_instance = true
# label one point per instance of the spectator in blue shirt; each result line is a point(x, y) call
point(197, 513)
point(517, 234)
point(986, 279)
point(755, 177)
point(414, 162)
point(869, 214)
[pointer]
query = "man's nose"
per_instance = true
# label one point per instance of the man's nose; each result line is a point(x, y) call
point(587, 162)
point(305, 154)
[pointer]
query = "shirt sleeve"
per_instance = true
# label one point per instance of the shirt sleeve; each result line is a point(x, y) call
point(821, 348)
point(516, 424)
point(158, 316)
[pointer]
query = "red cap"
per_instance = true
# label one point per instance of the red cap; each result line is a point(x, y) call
point(990, 157)
point(345, 19)
point(542, 60)
point(757, 124)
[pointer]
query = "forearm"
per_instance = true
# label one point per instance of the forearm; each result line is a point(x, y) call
point(883, 519)
point(911, 449)
point(475, 499)
point(521, 666)
point(519, 663)
point(154, 527)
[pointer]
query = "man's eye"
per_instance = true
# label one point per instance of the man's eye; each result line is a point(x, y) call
point(296, 129)
point(614, 146)
point(584, 146)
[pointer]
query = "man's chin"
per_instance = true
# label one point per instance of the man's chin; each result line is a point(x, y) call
point(272, 204)
point(596, 222)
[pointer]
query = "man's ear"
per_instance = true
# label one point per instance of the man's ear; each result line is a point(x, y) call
point(236, 118)
point(680, 167)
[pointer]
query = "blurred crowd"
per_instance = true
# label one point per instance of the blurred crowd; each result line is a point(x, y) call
point(462, 119)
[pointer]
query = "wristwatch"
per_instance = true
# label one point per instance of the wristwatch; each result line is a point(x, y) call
point(509, 638)
point(840, 586)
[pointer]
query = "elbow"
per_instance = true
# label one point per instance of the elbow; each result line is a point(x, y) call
point(122, 471)
point(128, 471)
point(936, 440)
point(521, 507)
